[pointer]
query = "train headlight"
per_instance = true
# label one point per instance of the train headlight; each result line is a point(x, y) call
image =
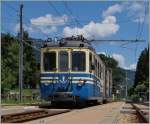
point(81, 82)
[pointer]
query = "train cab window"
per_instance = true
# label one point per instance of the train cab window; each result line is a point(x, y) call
point(78, 61)
point(49, 61)
point(63, 61)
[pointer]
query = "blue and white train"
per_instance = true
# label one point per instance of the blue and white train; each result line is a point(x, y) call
point(72, 71)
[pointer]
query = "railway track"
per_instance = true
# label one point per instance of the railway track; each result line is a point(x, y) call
point(45, 111)
point(142, 115)
point(30, 115)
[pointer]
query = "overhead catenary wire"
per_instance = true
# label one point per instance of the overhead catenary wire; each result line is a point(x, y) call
point(13, 8)
point(76, 20)
point(28, 44)
point(140, 31)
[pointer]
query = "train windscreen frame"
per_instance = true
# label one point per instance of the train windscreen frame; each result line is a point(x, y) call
point(49, 61)
point(78, 61)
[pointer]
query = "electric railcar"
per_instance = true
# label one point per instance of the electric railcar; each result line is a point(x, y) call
point(72, 71)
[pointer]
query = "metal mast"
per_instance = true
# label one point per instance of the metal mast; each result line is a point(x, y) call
point(21, 56)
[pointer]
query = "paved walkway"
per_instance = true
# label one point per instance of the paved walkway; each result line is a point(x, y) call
point(17, 109)
point(101, 114)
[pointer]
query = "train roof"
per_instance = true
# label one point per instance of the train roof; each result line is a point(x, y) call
point(78, 42)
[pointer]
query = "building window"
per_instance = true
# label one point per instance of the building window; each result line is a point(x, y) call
point(78, 61)
point(49, 61)
point(63, 61)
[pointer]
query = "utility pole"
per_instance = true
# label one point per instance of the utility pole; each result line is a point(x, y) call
point(21, 56)
point(126, 86)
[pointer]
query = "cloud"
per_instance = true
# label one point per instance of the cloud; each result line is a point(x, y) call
point(134, 10)
point(49, 20)
point(108, 26)
point(111, 10)
point(25, 27)
point(132, 67)
point(45, 29)
point(39, 29)
point(120, 58)
point(103, 29)
point(104, 53)
point(121, 62)
point(44, 24)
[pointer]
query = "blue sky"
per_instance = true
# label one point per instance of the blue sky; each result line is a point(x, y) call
point(98, 20)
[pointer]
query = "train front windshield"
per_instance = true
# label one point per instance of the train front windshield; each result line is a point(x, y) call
point(63, 61)
point(49, 61)
point(77, 61)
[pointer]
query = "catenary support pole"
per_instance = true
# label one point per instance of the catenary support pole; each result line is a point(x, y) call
point(21, 56)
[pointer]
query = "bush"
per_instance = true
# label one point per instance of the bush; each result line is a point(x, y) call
point(135, 98)
point(140, 88)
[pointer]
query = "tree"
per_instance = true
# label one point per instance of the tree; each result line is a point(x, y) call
point(9, 62)
point(109, 61)
point(142, 69)
point(140, 88)
point(130, 90)
point(30, 65)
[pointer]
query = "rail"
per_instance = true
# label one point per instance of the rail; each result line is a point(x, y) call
point(30, 115)
point(140, 114)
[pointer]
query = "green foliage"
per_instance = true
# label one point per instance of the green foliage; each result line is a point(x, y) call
point(140, 88)
point(30, 65)
point(142, 70)
point(130, 90)
point(10, 63)
point(135, 98)
point(109, 61)
point(141, 82)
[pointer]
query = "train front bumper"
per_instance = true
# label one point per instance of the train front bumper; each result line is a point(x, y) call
point(62, 96)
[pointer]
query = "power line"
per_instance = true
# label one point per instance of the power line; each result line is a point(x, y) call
point(12, 7)
point(50, 3)
point(133, 41)
point(57, 12)
point(145, 13)
point(34, 47)
point(139, 32)
point(76, 20)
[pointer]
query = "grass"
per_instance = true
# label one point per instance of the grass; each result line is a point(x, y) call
point(24, 101)
point(28, 99)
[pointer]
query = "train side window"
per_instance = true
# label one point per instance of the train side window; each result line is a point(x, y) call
point(63, 61)
point(78, 61)
point(96, 66)
point(49, 61)
point(91, 63)
point(98, 70)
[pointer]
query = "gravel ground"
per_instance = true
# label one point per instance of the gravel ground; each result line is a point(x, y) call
point(128, 118)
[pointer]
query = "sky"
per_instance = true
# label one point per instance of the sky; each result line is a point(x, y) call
point(97, 20)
